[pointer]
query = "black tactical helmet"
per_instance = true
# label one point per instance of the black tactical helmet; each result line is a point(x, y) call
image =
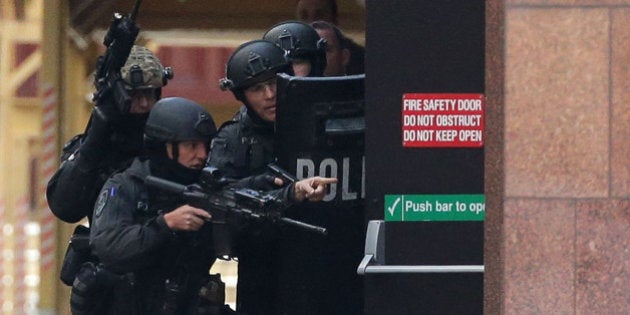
point(175, 119)
point(253, 62)
point(300, 41)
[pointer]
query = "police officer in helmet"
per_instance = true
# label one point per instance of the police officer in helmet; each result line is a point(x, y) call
point(243, 148)
point(159, 246)
point(244, 145)
point(111, 140)
point(304, 47)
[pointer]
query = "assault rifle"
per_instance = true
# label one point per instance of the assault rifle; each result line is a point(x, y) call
point(120, 37)
point(214, 194)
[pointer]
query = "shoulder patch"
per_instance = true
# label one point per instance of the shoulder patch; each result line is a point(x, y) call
point(102, 200)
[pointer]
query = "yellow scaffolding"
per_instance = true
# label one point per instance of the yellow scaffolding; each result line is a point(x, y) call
point(42, 55)
point(36, 64)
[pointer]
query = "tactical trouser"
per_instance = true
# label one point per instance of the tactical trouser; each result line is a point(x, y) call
point(93, 288)
point(77, 253)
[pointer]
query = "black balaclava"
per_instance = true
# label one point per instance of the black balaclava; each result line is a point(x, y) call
point(163, 166)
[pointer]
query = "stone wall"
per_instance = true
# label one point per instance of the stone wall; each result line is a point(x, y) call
point(558, 157)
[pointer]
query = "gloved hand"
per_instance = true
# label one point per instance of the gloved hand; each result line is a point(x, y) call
point(264, 182)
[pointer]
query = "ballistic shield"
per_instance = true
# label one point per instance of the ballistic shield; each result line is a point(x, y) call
point(320, 132)
point(320, 127)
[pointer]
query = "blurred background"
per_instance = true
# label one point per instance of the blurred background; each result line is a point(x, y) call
point(48, 50)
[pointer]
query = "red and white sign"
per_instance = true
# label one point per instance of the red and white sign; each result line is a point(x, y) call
point(442, 120)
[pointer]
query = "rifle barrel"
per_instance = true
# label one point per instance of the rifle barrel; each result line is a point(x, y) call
point(306, 226)
point(164, 184)
point(135, 9)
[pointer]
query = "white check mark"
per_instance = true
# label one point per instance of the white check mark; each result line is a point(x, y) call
point(393, 207)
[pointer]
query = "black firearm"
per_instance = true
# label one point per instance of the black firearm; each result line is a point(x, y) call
point(281, 173)
point(216, 196)
point(119, 40)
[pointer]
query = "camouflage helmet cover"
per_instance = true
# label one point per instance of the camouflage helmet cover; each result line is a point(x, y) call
point(143, 70)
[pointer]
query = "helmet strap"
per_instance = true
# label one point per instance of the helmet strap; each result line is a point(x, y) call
point(239, 94)
point(174, 152)
point(175, 146)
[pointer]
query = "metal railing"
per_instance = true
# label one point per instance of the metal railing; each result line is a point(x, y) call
point(374, 260)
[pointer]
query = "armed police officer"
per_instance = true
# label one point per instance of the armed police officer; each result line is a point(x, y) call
point(304, 47)
point(244, 147)
point(157, 247)
point(111, 140)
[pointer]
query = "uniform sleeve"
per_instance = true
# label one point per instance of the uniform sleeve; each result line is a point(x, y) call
point(223, 149)
point(72, 189)
point(120, 242)
point(265, 184)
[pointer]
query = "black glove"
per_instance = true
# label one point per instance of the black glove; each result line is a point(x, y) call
point(91, 288)
point(264, 182)
point(84, 290)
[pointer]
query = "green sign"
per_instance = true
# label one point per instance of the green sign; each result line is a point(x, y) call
point(435, 208)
